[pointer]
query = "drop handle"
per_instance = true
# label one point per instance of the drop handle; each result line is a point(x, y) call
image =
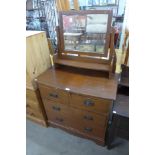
point(53, 95)
point(88, 102)
point(88, 129)
point(88, 118)
point(56, 108)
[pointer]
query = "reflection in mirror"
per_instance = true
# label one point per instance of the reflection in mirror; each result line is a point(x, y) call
point(85, 33)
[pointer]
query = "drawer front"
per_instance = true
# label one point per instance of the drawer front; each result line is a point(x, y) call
point(89, 118)
point(57, 113)
point(33, 104)
point(54, 94)
point(33, 111)
point(58, 118)
point(91, 130)
point(96, 105)
point(31, 95)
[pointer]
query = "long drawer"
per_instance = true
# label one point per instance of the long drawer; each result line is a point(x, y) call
point(57, 112)
point(88, 122)
point(97, 105)
point(91, 130)
point(54, 94)
point(81, 120)
point(84, 117)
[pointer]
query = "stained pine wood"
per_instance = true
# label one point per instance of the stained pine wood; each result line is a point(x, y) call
point(57, 112)
point(88, 118)
point(54, 94)
point(86, 65)
point(86, 82)
point(100, 106)
point(73, 118)
point(82, 61)
point(77, 100)
point(85, 12)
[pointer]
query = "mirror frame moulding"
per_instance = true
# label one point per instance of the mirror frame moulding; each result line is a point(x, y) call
point(61, 36)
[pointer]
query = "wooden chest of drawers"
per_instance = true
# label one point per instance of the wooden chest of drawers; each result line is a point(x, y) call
point(37, 61)
point(37, 56)
point(77, 101)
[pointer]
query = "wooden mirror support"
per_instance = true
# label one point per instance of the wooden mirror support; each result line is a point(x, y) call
point(86, 40)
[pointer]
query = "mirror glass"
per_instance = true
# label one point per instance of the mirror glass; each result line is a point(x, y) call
point(85, 33)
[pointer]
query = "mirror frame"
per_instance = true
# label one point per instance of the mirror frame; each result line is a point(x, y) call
point(61, 36)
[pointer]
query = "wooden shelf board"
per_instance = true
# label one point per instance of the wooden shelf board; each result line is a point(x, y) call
point(84, 65)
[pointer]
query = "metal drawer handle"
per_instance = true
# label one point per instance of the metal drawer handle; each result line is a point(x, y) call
point(56, 108)
point(88, 118)
point(59, 119)
point(88, 102)
point(53, 95)
point(88, 129)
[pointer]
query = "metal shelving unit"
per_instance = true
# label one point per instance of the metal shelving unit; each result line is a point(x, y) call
point(43, 17)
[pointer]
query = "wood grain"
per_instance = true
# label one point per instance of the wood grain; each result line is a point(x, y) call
point(73, 131)
point(88, 118)
point(81, 100)
point(77, 119)
point(54, 94)
point(86, 65)
point(37, 56)
point(100, 106)
point(85, 12)
point(34, 107)
point(79, 81)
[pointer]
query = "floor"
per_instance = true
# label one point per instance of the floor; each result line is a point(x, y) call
point(54, 141)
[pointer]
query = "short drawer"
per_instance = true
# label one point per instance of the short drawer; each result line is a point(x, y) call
point(54, 94)
point(89, 118)
point(96, 105)
point(57, 112)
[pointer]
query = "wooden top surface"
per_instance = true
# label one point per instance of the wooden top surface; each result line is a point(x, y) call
point(80, 81)
point(30, 33)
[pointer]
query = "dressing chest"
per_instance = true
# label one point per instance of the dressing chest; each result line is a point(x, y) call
point(78, 91)
point(78, 101)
